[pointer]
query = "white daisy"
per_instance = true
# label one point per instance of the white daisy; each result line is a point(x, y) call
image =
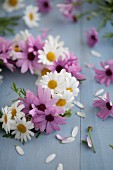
point(6, 119)
point(22, 129)
point(71, 85)
point(32, 16)
point(53, 81)
point(65, 100)
point(16, 110)
point(52, 50)
point(11, 5)
point(23, 35)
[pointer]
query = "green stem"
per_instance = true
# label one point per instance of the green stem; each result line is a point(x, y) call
point(93, 148)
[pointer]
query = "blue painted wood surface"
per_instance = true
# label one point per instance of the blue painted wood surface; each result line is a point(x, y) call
point(74, 156)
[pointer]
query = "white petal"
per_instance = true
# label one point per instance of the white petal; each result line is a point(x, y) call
point(78, 104)
point(19, 150)
point(89, 142)
point(68, 140)
point(60, 166)
point(74, 131)
point(95, 53)
point(81, 114)
point(59, 137)
point(99, 92)
point(50, 158)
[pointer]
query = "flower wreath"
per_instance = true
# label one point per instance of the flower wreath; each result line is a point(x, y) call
point(58, 85)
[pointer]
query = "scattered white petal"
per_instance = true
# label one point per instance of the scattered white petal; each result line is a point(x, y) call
point(74, 131)
point(59, 137)
point(19, 150)
point(89, 65)
point(89, 142)
point(78, 104)
point(81, 114)
point(99, 92)
point(60, 166)
point(50, 158)
point(95, 53)
point(68, 140)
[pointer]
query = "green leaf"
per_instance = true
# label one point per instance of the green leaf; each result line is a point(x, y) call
point(67, 114)
point(1, 114)
point(8, 136)
point(111, 146)
point(37, 134)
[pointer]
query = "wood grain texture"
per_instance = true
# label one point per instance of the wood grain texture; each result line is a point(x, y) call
point(74, 156)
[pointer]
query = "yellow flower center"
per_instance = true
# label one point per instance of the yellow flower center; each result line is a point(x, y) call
point(13, 112)
point(45, 71)
point(61, 102)
point(21, 128)
point(51, 56)
point(16, 48)
point(31, 16)
point(5, 118)
point(13, 2)
point(52, 84)
point(70, 89)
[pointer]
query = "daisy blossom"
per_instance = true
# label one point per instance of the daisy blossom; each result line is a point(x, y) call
point(105, 75)
point(53, 81)
point(11, 5)
point(31, 16)
point(22, 129)
point(64, 100)
point(43, 101)
point(105, 105)
point(16, 110)
point(52, 50)
point(48, 121)
point(6, 119)
point(44, 5)
point(92, 37)
point(28, 57)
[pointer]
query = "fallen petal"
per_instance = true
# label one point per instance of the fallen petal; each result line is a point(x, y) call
point(19, 150)
point(68, 140)
point(89, 65)
point(50, 158)
point(59, 137)
point(74, 131)
point(99, 92)
point(95, 53)
point(78, 104)
point(89, 142)
point(60, 166)
point(81, 114)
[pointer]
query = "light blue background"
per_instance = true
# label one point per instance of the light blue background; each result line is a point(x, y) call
point(74, 156)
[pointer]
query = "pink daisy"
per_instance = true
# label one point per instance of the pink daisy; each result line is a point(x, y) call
point(49, 120)
point(105, 75)
point(5, 47)
point(92, 37)
point(105, 105)
point(43, 101)
point(28, 57)
point(44, 5)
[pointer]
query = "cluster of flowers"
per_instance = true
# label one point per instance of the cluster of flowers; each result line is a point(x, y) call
point(105, 75)
point(43, 112)
point(38, 56)
point(31, 12)
point(105, 105)
point(57, 84)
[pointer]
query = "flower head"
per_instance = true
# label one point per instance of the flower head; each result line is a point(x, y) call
point(6, 120)
point(11, 5)
point(48, 120)
point(105, 105)
point(92, 37)
point(5, 48)
point(105, 75)
point(28, 57)
point(44, 5)
point(16, 110)
point(31, 16)
point(22, 129)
